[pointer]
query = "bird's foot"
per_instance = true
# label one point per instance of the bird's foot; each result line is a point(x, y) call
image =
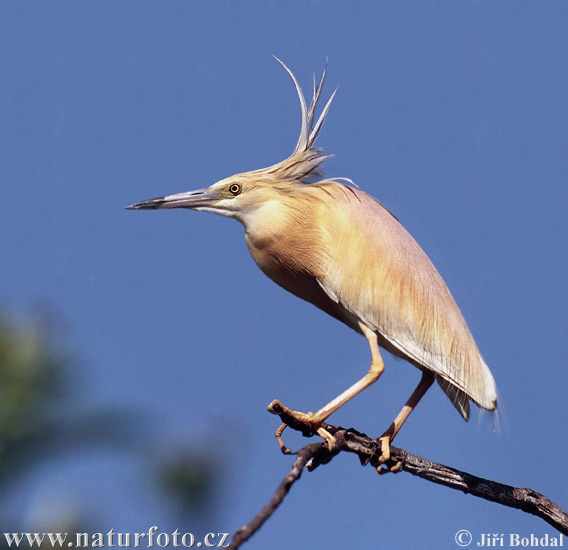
point(307, 423)
point(382, 468)
point(385, 440)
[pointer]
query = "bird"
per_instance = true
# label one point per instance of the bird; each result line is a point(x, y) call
point(333, 245)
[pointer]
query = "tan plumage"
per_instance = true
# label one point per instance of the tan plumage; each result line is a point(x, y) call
point(342, 250)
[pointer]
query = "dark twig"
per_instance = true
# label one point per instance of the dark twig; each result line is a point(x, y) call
point(368, 450)
point(527, 500)
point(305, 454)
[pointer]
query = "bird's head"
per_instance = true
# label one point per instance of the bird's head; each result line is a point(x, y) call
point(235, 197)
point(241, 195)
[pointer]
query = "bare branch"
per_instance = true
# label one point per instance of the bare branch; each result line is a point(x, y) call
point(303, 456)
point(368, 450)
point(527, 500)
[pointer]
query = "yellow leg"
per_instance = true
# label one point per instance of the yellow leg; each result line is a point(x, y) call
point(386, 439)
point(375, 370)
point(315, 419)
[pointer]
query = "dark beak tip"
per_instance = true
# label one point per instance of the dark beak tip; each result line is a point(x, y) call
point(151, 204)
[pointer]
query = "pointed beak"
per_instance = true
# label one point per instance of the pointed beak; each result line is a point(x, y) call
point(201, 198)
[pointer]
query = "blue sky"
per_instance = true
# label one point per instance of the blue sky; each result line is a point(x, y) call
point(453, 114)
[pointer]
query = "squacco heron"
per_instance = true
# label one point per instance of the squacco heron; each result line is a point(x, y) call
point(340, 249)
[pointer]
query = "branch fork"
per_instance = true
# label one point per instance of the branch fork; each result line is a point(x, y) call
point(368, 451)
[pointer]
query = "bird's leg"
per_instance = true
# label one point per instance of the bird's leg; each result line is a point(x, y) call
point(375, 370)
point(386, 439)
point(315, 419)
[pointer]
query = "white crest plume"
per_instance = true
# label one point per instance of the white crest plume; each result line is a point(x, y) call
point(303, 165)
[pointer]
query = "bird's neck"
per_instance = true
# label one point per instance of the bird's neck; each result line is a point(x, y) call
point(283, 235)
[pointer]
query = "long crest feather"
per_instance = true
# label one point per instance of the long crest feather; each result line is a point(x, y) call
point(310, 127)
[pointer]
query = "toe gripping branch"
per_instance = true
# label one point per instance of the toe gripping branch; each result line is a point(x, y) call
point(369, 451)
point(373, 451)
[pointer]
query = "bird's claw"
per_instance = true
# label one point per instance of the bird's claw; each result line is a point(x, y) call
point(278, 434)
point(329, 439)
point(300, 417)
point(385, 457)
point(385, 440)
point(304, 420)
point(394, 469)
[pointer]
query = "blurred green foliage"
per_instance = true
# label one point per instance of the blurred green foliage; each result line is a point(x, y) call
point(190, 478)
point(31, 377)
point(41, 414)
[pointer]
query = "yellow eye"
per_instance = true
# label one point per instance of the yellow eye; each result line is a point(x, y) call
point(235, 189)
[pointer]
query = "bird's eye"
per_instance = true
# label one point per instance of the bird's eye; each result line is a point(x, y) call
point(235, 189)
